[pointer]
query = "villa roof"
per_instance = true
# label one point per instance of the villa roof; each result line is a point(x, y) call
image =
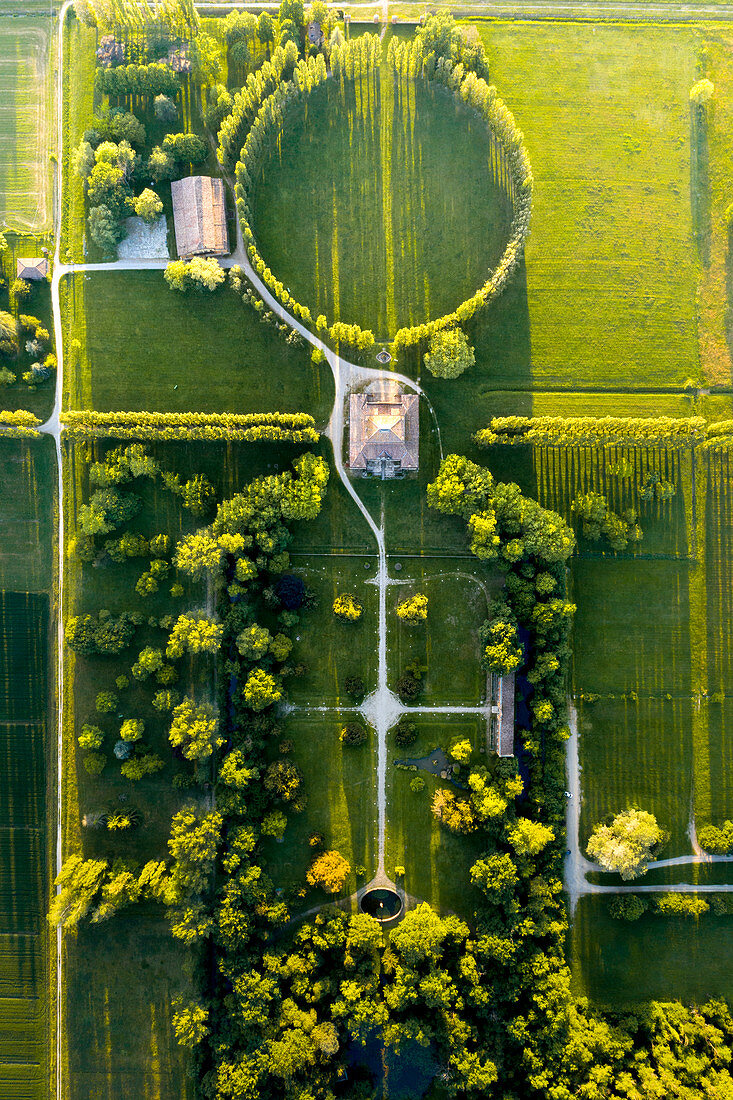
point(384, 423)
point(199, 215)
point(505, 740)
point(32, 268)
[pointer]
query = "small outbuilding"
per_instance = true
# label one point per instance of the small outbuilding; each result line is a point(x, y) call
point(384, 430)
point(314, 33)
point(199, 216)
point(34, 269)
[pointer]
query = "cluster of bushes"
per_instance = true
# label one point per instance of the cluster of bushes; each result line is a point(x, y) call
point(147, 79)
point(413, 610)
point(111, 164)
point(246, 427)
point(35, 338)
point(630, 907)
point(347, 607)
point(241, 110)
point(200, 273)
point(502, 652)
point(598, 521)
point(592, 431)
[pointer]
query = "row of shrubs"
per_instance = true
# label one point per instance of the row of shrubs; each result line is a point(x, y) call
point(246, 427)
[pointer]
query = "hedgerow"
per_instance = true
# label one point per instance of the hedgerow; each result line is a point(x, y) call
point(247, 427)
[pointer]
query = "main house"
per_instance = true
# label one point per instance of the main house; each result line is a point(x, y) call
point(384, 430)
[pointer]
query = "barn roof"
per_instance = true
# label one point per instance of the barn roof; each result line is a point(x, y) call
point(199, 215)
point(32, 267)
point(505, 745)
point(383, 421)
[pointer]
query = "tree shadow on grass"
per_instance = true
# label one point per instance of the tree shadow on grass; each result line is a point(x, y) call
point(500, 335)
point(700, 194)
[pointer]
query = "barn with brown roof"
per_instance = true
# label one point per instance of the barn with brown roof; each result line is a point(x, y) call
point(199, 216)
point(384, 430)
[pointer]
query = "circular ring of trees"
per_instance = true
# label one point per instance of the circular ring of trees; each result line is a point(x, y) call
point(353, 59)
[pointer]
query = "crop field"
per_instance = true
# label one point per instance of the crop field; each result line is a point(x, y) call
point(24, 1024)
point(27, 475)
point(135, 344)
point(380, 208)
point(26, 117)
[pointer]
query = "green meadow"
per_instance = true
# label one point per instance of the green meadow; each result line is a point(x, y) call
point(378, 206)
point(25, 122)
point(655, 958)
point(608, 296)
point(135, 344)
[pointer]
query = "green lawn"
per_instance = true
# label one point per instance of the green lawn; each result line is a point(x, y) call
point(379, 206)
point(27, 119)
point(134, 344)
point(608, 298)
point(655, 958)
point(78, 108)
point(331, 649)
point(716, 149)
point(342, 804)
point(436, 861)
point(446, 646)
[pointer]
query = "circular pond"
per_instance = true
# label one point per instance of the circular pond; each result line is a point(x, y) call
point(380, 205)
point(382, 903)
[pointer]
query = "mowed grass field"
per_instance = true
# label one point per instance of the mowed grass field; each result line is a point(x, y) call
point(610, 262)
point(655, 958)
point(378, 206)
point(132, 343)
point(436, 861)
point(605, 302)
point(26, 121)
